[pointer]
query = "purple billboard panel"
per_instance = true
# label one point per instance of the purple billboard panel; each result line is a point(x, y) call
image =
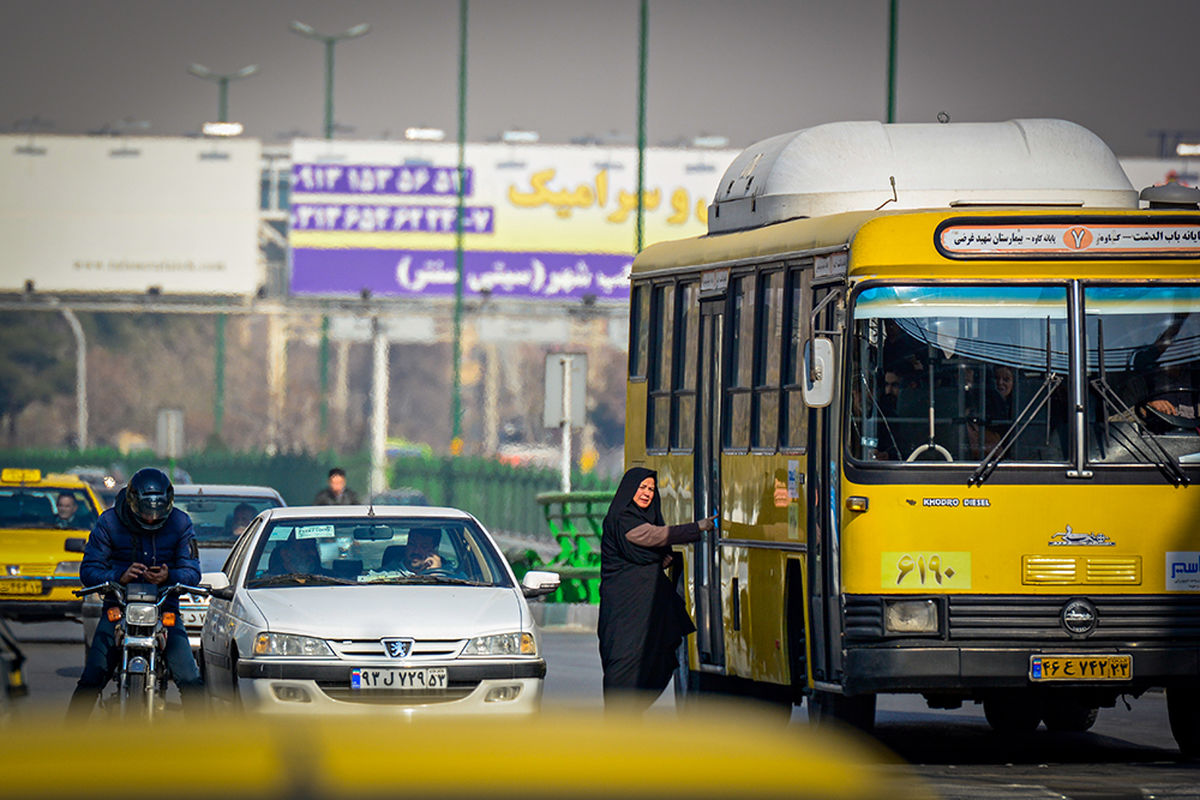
point(408, 179)
point(409, 273)
point(363, 218)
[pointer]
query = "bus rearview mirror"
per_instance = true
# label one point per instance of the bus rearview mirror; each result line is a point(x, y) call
point(818, 372)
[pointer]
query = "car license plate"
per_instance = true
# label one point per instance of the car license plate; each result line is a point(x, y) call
point(192, 619)
point(399, 679)
point(1080, 668)
point(20, 587)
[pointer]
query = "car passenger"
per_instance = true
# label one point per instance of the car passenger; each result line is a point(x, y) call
point(295, 557)
point(243, 513)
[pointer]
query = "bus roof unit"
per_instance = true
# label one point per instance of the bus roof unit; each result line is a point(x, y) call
point(851, 166)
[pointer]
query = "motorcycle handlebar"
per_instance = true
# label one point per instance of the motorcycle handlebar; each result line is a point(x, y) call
point(170, 591)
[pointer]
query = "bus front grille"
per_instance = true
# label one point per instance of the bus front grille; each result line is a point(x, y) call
point(1003, 619)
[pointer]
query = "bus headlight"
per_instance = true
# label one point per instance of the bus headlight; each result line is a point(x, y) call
point(911, 616)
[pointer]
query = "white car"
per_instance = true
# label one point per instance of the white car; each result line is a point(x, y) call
point(372, 608)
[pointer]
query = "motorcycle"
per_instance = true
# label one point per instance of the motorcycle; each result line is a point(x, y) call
point(141, 639)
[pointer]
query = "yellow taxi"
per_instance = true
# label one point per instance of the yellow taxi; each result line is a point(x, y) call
point(38, 514)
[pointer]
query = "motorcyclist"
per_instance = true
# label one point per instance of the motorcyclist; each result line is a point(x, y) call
point(142, 538)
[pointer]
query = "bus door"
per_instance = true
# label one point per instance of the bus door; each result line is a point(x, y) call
point(823, 543)
point(710, 641)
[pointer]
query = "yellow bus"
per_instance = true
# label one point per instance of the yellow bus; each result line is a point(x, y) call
point(939, 383)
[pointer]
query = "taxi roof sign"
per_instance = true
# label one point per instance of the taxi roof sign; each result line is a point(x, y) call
point(17, 475)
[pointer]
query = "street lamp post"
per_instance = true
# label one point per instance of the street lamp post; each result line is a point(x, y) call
point(329, 41)
point(309, 32)
point(222, 81)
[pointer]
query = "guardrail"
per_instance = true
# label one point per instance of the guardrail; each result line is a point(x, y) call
point(575, 520)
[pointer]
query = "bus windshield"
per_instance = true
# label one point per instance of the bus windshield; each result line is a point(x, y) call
point(940, 373)
point(1143, 355)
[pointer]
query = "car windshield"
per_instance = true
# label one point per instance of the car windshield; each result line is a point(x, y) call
point(26, 507)
point(374, 550)
point(940, 373)
point(220, 519)
point(1143, 354)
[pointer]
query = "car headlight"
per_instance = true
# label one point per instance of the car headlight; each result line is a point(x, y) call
point(67, 568)
point(140, 614)
point(502, 644)
point(286, 644)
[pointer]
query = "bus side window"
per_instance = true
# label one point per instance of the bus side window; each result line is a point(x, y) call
point(741, 364)
point(768, 345)
point(662, 326)
point(683, 385)
point(795, 429)
point(639, 330)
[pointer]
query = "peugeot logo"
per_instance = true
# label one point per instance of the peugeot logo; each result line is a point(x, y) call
point(1079, 617)
point(397, 648)
point(13, 569)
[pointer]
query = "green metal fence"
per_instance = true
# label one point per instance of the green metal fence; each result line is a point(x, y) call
point(502, 496)
point(575, 520)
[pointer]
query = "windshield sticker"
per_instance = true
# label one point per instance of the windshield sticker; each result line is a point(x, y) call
point(1069, 538)
point(315, 532)
point(953, 502)
point(928, 570)
point(1183, 571)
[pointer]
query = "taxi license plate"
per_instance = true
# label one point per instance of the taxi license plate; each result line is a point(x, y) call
point(414, 679)
point(1080, 668)
point(20, 587)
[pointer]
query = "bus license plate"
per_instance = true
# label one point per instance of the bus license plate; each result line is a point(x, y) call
point(1080, 668)
point(20, 587)
point(412, 679)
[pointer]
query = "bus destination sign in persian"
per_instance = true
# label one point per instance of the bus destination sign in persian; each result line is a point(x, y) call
point(1070, 239)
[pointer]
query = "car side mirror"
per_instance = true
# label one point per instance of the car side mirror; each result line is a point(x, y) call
point(537, 583)
point(74, 544)
point(818, 378)
point(218, 585)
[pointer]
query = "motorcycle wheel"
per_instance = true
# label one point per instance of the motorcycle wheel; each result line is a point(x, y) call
point(138, 701)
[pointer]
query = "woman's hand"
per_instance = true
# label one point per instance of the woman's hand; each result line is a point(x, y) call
point(707, 524)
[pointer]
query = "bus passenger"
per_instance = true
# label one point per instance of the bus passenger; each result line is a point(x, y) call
point(642, 618)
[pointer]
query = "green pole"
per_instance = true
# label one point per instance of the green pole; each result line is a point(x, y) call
point(219, 390)
point(329, 42)
point(223, 99)
point(891, 75)
point(456, 404)
point(324, 366)
point(641, 128)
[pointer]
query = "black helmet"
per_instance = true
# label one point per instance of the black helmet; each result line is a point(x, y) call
point(150, 497)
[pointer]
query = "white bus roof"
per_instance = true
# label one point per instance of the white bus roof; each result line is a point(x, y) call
point(849, 166)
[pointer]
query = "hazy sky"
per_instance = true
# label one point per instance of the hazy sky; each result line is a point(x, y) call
point(746, 69)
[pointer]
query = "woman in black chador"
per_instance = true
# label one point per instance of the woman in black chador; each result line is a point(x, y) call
point(642, 618)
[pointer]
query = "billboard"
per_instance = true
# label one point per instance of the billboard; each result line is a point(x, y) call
point(539, 221)
point(128, 214)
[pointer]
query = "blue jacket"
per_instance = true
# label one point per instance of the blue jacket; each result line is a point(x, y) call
point(113, 546)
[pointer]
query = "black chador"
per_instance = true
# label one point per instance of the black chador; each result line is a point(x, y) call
point(642, 618)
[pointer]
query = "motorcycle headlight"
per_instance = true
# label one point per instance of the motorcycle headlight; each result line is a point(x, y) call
point(140, 614)
point(67, 568)
point(286, 644)
point(502, 644)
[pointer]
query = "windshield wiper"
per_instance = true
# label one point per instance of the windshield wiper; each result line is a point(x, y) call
point(427, 579)
point(1157, 455)
point(299, 578)
point(1036, 403)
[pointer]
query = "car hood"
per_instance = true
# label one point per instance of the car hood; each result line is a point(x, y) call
point(369, 612)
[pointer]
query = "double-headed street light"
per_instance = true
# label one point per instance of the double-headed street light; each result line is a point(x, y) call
point(329, 41)
point(222, 81)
